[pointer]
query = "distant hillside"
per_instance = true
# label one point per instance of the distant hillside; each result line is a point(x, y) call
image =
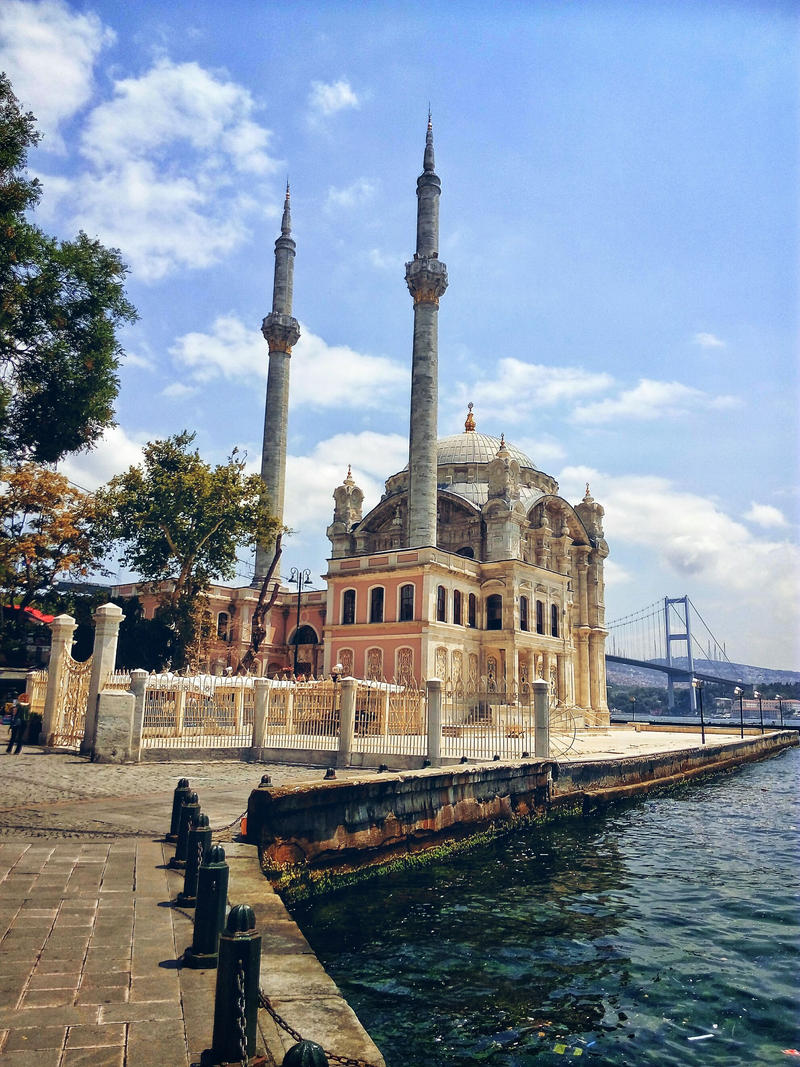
point(623, 674)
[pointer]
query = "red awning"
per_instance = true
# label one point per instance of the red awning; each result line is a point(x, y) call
point(34, 613)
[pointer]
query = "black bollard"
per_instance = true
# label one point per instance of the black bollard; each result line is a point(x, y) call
point(305, 1054)
point(236, 1000)
point(190, 809)
point(182, 790)
point(209, 912)
point(266, 780)
point(199, 844)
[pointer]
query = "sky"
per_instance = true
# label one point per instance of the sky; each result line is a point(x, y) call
point(619, 220)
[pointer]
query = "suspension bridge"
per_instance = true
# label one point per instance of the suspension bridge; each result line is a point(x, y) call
point(672, 637)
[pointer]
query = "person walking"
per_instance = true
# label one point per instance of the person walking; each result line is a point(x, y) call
point(19, 722)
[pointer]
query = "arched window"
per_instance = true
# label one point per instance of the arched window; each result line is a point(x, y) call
point(441, 604)
point(406, 603)
point(554, 620)
point(404, 665)
point(523, 613)
point(222, 626)
point(472, 611)
point(376, 604)
point(494, 612)
point(539, 617)
point(374, 662)
point(348, 607)
point(466, 551)
point(306, 635)
point(457, 607)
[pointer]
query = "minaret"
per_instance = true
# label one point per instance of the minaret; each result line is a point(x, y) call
point(281, 332)
point(426, 276)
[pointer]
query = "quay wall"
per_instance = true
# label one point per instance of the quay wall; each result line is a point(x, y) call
point(311, 837)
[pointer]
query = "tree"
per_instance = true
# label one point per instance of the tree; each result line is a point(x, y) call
point(180, 522)
point(49, 530)
point(61, 303)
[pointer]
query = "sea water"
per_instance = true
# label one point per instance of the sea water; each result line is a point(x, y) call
point(665, 932)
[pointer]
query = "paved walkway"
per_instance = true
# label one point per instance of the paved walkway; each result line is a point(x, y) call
point(90, 942)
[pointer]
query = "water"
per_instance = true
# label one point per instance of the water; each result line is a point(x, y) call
point(616, 940)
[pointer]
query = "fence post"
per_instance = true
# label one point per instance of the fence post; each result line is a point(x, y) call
point(112, 737)
point(180, 706)
point(62, 628)
point(260, 707)
point(347, 721)
point(290, 708)
point(433, 695)
point(541, 718)
point(138, 688)
point(238, 706)
point(107, 621)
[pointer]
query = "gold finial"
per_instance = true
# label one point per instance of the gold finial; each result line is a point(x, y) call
point(469, 425)
point(502, 440)
point(349, 477)
point(430, 123)
point(588, 495)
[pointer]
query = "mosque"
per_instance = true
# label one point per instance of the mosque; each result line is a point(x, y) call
point(471, 567)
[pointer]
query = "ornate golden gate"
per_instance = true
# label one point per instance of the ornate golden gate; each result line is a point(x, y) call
point(71, 699)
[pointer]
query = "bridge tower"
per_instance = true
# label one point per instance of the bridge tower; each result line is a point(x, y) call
point(678, 634)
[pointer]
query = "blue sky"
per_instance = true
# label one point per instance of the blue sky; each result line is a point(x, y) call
point(618, 217)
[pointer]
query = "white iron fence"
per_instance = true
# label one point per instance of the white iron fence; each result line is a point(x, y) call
point(390, 718)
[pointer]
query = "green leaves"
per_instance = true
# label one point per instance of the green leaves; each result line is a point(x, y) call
point(181, 521)
point(61, 303)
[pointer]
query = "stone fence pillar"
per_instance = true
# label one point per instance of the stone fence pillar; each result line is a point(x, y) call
point(541, 718)
point(63, 629)
point(347, 721)
point(138, 687)
point(433, 695)
point(107, 621)
point(260, 710)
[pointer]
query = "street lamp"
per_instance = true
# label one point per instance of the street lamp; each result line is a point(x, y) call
point(697, 683)
point(301, 578)
point(757, 695)
point(633, 703)
point(780, 708)
point(738, 691)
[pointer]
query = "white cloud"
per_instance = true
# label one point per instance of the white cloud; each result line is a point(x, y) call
point(518, 388)
point(708, 340)
point(651, 400)
point(765, 515)
point(373, 456)
point(358, 192)
point(114, 453)
point(178, 390)
point(385, 261)
point(750, 581)
point(332, 375)
point(164, 164)
point(326, 98)
point(49, 52)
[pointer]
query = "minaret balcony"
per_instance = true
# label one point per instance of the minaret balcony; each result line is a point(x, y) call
point(426, 279)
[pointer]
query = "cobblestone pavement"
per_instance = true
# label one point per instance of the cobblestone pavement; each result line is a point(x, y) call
point(63, 794)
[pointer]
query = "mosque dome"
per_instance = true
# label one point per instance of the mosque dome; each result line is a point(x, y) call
point(462, 467)
point(473, 447)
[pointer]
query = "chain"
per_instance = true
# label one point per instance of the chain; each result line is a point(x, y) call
point(346, 1061)
point(241, 1012)
point(200, 855)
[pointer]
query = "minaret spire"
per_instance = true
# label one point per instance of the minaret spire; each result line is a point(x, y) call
point(426, 277)
point(281, 332)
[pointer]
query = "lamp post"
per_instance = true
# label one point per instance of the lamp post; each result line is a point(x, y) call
point(633, 705)
point(302, 578)
point(699, 687)
point(757, 695)
point(738, 691)
point(780, 708)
